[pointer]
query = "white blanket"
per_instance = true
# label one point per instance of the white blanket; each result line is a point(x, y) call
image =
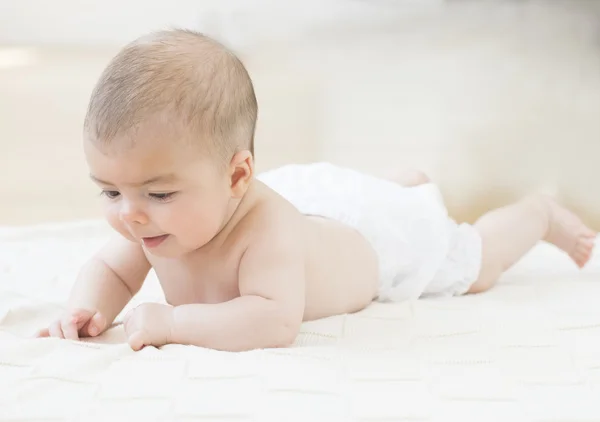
point(527, 351)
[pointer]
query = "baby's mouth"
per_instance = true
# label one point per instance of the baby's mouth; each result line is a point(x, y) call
point(153, 242)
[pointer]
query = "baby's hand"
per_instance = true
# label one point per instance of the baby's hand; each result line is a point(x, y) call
point(149, 324)
point(74, 324)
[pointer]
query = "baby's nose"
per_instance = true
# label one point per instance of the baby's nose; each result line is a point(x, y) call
point(132, 214)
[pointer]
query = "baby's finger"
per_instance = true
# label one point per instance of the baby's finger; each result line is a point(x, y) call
point(81, 317)
point(69, 328)
point(44, 332)
point(55, 331)
point(97, 325)
point(136, 340)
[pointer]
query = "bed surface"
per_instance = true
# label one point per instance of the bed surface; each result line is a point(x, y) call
point(527, 351)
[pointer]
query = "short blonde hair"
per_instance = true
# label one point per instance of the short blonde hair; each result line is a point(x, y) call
point(185, 74)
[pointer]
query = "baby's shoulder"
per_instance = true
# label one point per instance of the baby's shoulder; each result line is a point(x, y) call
point(273, 215)
point(273, 235)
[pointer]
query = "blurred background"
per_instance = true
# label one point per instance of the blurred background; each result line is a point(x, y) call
point(493, 99)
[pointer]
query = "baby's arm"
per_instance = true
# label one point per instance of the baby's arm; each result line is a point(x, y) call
point(270, 308)
point(105, 284)
point(109, 280)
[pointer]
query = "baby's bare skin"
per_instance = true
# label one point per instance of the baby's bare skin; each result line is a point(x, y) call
point(240, 267)
point(341, 268)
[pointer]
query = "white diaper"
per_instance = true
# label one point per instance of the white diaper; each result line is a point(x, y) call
point(422, 252)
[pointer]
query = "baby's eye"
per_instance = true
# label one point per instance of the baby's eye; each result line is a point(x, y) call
point(111, 194)
point(162, 196)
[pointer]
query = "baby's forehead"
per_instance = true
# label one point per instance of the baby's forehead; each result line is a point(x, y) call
point(141, 173)
point(148, 155)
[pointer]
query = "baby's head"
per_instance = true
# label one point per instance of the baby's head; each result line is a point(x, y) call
point(169, 138)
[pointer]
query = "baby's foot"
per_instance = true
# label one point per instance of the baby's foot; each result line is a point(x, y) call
point(568, 232)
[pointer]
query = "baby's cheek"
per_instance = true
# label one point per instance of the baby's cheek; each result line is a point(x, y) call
point(115, 222)
point(200, 228)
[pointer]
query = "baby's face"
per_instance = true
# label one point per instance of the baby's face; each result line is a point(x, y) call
point(164, 195)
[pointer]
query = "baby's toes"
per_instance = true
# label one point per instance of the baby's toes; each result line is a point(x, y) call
point(589, 233)
point(582, 254)
point(586, 246)
point(581, 261)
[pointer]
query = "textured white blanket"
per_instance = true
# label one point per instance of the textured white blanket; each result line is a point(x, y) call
point(527, 351)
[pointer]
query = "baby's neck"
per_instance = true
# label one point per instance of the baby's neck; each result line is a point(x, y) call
point(237, 211)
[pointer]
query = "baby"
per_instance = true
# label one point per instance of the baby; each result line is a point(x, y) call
point(244, 259)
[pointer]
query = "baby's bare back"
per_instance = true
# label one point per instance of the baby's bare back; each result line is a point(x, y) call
point(341, 271)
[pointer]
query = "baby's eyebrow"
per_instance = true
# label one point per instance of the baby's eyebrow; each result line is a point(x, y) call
point(161, 178)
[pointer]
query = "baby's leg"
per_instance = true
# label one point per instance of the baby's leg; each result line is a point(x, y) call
point(410, 178)
point(508, 233)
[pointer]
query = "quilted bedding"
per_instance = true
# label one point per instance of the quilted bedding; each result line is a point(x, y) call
point(529, 350)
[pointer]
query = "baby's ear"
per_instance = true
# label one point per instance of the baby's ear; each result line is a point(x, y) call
point(241, 171)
